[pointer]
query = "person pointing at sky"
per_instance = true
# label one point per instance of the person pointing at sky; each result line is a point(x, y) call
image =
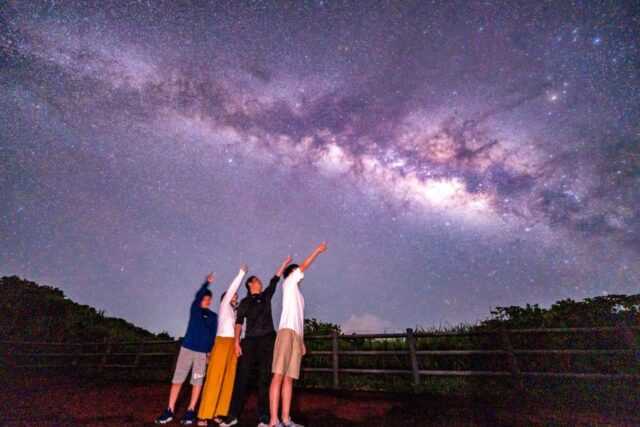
point(218, 387)
point(197, 343)
point(257, 346)
point(289, 346)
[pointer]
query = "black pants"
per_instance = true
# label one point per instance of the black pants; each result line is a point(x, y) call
point(260, 350)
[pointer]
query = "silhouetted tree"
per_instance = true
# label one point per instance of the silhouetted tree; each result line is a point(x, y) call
point(610, 310)
point(32, 312)
point(318, 327)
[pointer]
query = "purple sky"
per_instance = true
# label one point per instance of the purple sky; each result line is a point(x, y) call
point(456, 156)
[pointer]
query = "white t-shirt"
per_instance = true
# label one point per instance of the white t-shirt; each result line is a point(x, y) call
point(293, 303)
point(226, 314)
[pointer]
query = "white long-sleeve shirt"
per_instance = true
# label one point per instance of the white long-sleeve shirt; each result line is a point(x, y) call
point(293, 303)
point(226, 314)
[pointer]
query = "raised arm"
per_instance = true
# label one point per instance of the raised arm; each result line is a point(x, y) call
point(233, 287)
point(307, 262)
point(195, 305)
point(284, 264)
point(273, 283)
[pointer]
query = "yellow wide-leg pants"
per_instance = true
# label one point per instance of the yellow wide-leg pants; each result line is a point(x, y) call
point(218, 385)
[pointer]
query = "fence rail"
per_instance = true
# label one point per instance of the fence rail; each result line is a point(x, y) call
point(100, 355)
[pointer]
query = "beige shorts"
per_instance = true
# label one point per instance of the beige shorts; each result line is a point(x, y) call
point(287, 354)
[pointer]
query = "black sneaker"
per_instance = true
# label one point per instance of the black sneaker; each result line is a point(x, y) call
point(166, 417)
point(189, 417)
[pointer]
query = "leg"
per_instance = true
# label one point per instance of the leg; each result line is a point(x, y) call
point(274, 397)
point(287, 392)
point(213, 384)
point(265, 355)
point(173, 396)
point(197, 375)
point(243, 375)
point(184, 364)
point(228, 380)
point(195, 394)
point(292, 372)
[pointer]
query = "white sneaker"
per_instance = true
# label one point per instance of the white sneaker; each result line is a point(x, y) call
point(263, 425)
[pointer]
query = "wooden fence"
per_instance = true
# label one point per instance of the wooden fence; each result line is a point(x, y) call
point(162, 355)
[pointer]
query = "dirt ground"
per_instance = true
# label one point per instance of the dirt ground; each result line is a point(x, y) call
point(50, 402)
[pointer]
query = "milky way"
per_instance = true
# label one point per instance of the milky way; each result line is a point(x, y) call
point(456, 156)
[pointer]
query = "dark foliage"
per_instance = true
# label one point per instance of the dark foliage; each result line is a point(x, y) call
point(314, 327)
point(31, 312)
point(610, 310)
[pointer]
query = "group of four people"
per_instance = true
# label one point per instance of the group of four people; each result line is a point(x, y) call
point(224, 392)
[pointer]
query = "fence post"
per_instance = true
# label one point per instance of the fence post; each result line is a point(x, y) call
point(136, 361)
point(336, 360)
point(77, 349)
point(415, 368)
point(104, 355)
point(630, 341)
point(512, 361)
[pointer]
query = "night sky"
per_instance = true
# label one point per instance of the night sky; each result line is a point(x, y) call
point(457, 156)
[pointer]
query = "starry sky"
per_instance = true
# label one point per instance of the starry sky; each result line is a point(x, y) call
point(457, 156)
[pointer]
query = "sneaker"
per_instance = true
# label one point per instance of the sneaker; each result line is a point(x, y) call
point(189, 417)
point(263, 424)
point(228, 422)
point(290, 423)
point(166, 417)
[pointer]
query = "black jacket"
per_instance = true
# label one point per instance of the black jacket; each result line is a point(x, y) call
point(256, 308)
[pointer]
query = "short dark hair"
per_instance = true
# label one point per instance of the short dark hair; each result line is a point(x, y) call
point(208, 293)
point(249, 280)
point(289, 270)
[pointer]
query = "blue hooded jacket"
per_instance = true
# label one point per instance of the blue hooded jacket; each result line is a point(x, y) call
point(203, 325)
